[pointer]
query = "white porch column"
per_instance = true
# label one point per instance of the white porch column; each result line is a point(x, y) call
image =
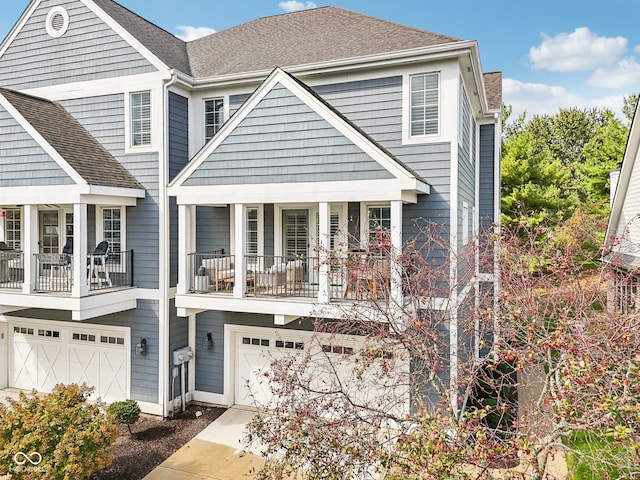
point(186, 245)
point(240, 222)
point(397, 296)
point(80, 226)
point(30, 226)
point(324, 229)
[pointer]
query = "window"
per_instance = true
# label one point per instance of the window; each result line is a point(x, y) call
point(424, 104)
point(252, 232)
point(140, 107)
point(379, 219)
point(213, 117)
point(13, 228)
point(112, 228)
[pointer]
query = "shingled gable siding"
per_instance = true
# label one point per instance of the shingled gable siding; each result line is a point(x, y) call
point(103, 117)
point(23, 162)
point(89, 50)
point(283, 140)
point(376, 107)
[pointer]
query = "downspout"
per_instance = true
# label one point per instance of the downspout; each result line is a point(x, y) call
point(164, 264)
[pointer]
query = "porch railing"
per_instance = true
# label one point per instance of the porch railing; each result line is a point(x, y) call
point(280, 276)
point(11, 270)
point(211, 271)
point(351, 275)
point(55, 271)
point(116, 271)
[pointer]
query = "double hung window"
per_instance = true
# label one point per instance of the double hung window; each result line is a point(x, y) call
point(213, 117)
point(424, 104)
point(140, 118)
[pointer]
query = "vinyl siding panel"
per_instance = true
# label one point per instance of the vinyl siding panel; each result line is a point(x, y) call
point(213, 228)
point(23, 162)
point(628, 229)
point(178, 133)
point(103, 117)
point(283, 140)
point(487, 177)
point(178, 158)
point(89, 50)
point(375, 106)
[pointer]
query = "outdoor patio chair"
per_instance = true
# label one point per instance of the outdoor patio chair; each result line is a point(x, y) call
point(97, 264)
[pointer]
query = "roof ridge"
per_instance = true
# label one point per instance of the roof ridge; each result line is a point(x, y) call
point(143, 19)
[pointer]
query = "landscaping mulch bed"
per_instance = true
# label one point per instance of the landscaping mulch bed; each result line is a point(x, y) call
point(153, 441)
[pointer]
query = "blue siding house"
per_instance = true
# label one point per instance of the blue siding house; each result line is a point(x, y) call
point(169, 203)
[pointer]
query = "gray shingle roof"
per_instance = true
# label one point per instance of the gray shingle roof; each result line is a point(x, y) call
point(72, 141)
point(493, 87)
point(168, 48)
point(309, 36)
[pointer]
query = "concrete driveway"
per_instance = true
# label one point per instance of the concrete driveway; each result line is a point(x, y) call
point(216, 453)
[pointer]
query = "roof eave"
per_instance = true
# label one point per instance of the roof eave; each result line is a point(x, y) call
point(400, 57)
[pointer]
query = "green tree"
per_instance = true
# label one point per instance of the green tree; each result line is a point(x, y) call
point(630, 104)
point(600, 155)
point(555, 165)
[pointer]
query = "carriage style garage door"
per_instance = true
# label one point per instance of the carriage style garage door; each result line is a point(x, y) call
point(256, 348)
point(43, 354)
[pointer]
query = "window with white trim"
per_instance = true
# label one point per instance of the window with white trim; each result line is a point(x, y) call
point(213, 117)
point(140, 118)
point(424, 104)
point(252, 233)
point(112, 227)
point(13, 228)
point(379, 219)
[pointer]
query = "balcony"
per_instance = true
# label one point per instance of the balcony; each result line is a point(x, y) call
point(354, 275)
point(106, 284)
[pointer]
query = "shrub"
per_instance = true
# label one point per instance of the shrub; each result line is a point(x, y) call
point(125, 412)
point(56, 437)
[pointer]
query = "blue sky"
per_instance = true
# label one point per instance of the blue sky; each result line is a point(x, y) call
point(552, 54)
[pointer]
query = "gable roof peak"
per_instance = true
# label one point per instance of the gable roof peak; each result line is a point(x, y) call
point(71, 140)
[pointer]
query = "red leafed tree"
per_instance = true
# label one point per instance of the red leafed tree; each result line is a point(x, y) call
point(449, 381)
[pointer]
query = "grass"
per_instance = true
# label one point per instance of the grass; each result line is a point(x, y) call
point(595, 456)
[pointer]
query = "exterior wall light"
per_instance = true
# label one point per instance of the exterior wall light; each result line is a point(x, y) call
point(141, 347)
point(207, 342)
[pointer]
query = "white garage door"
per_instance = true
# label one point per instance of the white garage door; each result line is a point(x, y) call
point(43, 354)
point(257, 348)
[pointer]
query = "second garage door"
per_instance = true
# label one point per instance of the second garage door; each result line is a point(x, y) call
point(257, 348)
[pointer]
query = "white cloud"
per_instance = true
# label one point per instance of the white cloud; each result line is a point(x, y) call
point(576, 51)
point(637, 49)
point(294, 6)
point(624, 73)
point(542, 99)
point(192, 33)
